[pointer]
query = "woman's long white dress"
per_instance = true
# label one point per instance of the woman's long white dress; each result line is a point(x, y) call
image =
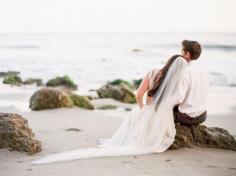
point(143, 131)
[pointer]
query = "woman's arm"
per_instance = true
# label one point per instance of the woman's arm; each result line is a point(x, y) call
point(143, 87)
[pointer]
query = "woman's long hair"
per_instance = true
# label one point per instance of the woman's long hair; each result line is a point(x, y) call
point(159, 78)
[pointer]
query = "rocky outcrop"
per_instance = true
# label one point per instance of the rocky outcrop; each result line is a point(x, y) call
point(64, 81)
point(12, 79)
point(16, 134)
point(120, 93)
point(202, 136)
point(36, 81)
point(49, 98)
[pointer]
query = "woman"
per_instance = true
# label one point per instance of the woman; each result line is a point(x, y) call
point(148, 128)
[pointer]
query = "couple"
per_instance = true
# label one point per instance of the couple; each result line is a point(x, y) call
point(175, 94)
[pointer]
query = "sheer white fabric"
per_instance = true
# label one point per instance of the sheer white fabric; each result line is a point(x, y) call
point(150, 129)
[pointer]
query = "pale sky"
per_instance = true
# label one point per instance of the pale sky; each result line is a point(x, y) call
point(29, 16)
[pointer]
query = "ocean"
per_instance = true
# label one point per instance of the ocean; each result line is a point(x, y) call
point(92, 59)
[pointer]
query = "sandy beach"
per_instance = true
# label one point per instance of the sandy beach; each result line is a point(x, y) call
point(50, 126)
point(71, 72)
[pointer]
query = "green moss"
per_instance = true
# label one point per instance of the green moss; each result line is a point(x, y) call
point(12, 79)
point(81, 101)
point(62, 81)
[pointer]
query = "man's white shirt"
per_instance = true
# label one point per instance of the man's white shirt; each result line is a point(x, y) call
point(193, 89)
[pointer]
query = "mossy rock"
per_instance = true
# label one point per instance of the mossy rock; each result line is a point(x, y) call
point(202, 136)
point(121, 82)
point(49, 98)
point(65, 81)
point(120, 93)
point(36, 81)
point(12, 79)
point(81, 101)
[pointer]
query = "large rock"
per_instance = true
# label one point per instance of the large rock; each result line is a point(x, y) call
point(49, 98)
point(120, 93)
point(16, 134)
point(64, 81)
point(12, 79)
point(202, 136)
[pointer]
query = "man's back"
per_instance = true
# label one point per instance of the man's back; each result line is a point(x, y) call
point(193, 90)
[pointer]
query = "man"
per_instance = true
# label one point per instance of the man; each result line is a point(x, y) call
point(191, 102)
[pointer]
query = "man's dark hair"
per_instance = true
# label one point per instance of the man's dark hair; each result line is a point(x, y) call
point(193, 47)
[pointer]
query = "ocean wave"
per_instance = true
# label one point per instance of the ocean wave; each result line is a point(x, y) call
point(206, 46)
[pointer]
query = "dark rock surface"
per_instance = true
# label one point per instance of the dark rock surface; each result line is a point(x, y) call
point(202, 136)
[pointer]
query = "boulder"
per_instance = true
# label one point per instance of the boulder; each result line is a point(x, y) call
point(16, 134)
point(120, 93)
point(81, 101)
point(64, 81)
point(49, 98)
point(36, 81)
point(12, 79)
point(202, 136)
